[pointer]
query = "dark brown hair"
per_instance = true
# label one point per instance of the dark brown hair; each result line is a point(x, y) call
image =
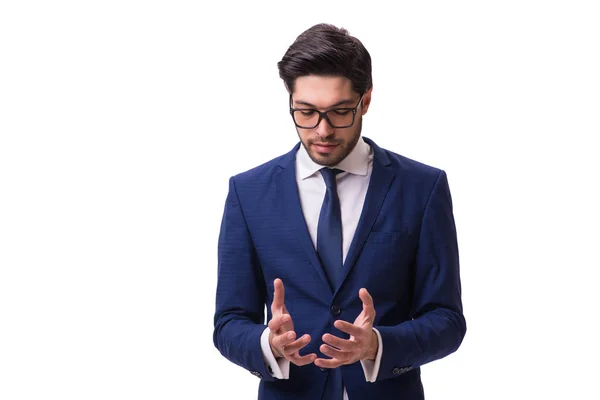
point(327, 50)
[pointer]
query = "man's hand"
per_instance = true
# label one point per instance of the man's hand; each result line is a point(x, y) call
point(363, 343)
point(282, 337)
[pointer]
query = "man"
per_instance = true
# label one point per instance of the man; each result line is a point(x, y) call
point(351, 247)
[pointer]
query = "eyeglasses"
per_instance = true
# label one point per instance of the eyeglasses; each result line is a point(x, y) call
point(308, 118)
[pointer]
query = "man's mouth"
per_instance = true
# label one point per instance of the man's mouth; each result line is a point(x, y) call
point(324, 147)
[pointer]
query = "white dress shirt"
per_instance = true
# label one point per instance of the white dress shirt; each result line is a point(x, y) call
point(352, 187)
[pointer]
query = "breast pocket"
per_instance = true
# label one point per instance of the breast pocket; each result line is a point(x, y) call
point(386, 260)
point(391, 238)
point(388, 247)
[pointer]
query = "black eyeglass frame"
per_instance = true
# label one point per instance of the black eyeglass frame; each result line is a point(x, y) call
point(323, 114)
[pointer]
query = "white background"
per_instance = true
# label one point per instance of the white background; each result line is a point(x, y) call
point(121, 122)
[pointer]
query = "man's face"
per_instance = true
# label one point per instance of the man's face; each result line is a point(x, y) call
point(327, 145)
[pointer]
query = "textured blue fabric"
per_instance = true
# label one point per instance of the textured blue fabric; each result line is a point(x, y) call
point(329, 248)
point(334, 388)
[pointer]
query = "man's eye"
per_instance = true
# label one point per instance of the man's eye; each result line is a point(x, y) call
point(341, 112)
point(307, 113)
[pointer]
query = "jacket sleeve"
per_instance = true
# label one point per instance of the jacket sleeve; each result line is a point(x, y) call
point(241, 292)
point(438, 326)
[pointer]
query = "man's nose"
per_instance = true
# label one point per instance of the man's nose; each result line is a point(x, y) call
point(324, 129)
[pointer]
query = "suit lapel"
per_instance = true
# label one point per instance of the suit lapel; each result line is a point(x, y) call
point(381, 178)
point(293, 211)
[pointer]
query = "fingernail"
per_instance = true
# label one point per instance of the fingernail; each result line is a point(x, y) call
point(290, 335)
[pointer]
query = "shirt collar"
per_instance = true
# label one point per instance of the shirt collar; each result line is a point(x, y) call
point(357, 162)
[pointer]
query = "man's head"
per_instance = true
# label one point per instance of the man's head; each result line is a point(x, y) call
point(327, 70)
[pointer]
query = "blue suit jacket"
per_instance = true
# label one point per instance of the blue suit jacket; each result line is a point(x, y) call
point(404, 252)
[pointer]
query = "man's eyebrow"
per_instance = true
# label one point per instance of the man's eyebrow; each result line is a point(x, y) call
point(339, 103)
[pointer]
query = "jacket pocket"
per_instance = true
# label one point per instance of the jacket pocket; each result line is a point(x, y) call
point(388, 237)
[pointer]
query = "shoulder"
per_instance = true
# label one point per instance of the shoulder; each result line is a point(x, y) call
point(407, 168)
point(411, 166)
point(413, 178)
point(261, 175)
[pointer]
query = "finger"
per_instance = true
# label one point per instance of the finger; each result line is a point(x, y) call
point(335, 353)
point(278, 295)
point(328, 363)
point(282, 340)
point(349, 328)
point(278, 321)
point(303, 360)
point(295, 346)
point(366, 299)
point(339, 343)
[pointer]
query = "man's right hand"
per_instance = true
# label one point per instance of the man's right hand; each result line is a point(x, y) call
point(282, 336)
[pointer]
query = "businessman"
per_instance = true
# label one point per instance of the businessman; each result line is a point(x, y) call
point(351, 248)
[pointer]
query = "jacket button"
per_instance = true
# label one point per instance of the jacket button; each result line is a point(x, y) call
point(323, 369)
point(335, 310)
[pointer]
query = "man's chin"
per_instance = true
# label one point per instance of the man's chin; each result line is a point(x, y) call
point(325, 159)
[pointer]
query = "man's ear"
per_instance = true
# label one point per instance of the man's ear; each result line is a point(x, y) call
point(366, 101)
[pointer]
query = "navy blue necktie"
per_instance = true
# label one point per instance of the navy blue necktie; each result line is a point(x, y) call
point(329, 232)
point(329, 248)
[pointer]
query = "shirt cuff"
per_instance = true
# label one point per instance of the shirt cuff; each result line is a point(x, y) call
point(279, 369)
point(371, 367)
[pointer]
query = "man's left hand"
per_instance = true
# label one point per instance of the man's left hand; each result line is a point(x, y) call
point(362, 344)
